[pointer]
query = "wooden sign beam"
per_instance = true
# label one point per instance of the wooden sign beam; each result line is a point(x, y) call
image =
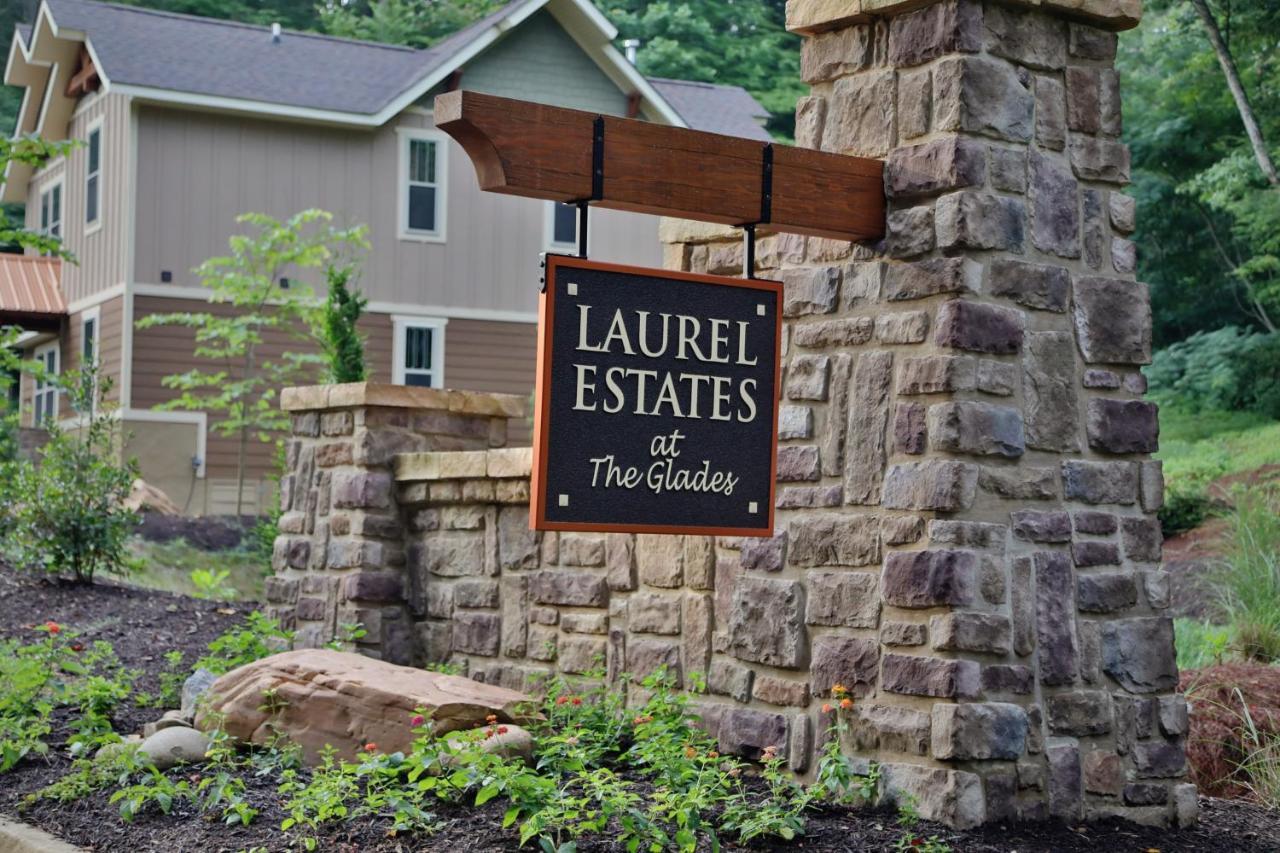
point(539, 151)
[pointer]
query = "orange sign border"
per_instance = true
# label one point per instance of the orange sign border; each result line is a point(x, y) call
point(542, 399)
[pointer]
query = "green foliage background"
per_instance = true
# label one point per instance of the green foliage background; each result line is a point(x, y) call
point(1209, 233)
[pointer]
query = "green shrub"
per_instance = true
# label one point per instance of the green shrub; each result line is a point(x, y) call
point(342, 343)
point(1186, 506)
point(1247, 580)
point(1227, 370)
point(66, 514)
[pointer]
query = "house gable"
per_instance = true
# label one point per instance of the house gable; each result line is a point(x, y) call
point(540, 62)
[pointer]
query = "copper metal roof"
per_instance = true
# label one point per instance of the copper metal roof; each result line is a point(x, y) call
point(29, 288)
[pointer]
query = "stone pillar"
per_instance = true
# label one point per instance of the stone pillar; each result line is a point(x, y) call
point(340, 556)
point(967, 537)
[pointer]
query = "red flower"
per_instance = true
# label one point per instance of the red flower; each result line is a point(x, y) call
point(826, 708)
point(77, 647)
point(53, 627)
point(488, 734)
point(917, 842)
point(577, 700)
point(370, 747)
point(560, 700)
point(417, 720)
point(502, 730)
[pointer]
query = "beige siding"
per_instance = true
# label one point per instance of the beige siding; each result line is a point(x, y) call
point(100, 254)
point(196, 172)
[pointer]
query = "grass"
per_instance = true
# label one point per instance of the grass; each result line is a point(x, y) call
point(168, 566)
point(1199, 448)
point(1247, 580)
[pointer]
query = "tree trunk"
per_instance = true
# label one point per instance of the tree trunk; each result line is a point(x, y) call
point(1237, 91)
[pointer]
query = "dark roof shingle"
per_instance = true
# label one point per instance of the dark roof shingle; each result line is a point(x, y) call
point(730, 110)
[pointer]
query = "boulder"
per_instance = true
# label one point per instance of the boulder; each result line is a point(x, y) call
point(144, 496)
point(321, 697)
point(196, 685)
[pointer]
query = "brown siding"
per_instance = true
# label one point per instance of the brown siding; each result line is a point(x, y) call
point(480, 355)
point(165, 350)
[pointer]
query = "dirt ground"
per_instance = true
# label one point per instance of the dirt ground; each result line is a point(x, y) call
point(143, 625)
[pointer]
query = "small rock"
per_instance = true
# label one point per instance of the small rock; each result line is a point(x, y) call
point(171, 719)
point(196, 685)
point(169, 747)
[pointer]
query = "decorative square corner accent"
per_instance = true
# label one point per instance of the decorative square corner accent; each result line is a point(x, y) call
point(761, 310)
point(753, 507)
point(573, 291)
point(564, 499)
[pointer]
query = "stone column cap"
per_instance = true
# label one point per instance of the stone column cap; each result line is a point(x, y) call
point(499, 463)
point(814, 16)
point(358, 394)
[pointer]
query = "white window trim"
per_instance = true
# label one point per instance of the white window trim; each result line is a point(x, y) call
point(549, 232)
point(94, 314)
point(54, 346)
point(404, 135)
point(401, 323)
point(61, 183)
point(96, 225)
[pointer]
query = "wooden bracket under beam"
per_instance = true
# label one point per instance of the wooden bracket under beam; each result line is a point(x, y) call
point(86, 77)
point(539, 151)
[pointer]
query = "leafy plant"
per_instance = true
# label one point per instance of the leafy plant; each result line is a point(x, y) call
point(1229, 370)
point(242, 384)
point(153, 788)
point(260, 636)
point(67, 514)
point(211, 583)
point(1200, 644)
point(348, 634)
point(781, 814)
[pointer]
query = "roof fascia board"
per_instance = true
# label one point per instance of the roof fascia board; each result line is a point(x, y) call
point(147, 94)
point(462, 57)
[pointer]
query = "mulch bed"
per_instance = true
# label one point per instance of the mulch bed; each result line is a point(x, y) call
point(142, 625)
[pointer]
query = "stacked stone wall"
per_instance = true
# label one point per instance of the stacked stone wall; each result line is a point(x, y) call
point(966, 536)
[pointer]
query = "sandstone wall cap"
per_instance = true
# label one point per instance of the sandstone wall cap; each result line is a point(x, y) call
point(501, 463)
point(814, 16)
point(356, 394)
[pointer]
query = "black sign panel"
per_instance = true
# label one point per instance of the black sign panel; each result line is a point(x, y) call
point(657, 401)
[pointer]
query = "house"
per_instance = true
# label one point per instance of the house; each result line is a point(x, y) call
point(187, 122)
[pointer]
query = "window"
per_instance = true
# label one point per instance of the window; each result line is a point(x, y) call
point(89, 338)
point(51, 211)
point(562, 226)
point(422, 185)
point(418, 352)
point(93, 178)
point(46, 395)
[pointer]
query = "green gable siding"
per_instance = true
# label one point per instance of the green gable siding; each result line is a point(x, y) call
point(540, 62)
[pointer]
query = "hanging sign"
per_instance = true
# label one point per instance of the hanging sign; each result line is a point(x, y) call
point(657, 401)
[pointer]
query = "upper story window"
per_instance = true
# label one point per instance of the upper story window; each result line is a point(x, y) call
point(46, 393)
point(418, 352)
point(422, 184)
point(51, 211)
point(93, 179)
point(562, 226)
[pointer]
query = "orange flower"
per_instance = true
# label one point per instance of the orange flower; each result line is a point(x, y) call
point(370, 747)
point(770, 753)
point(488, 733)
point(839, 690)
point(826, 707)
point(846, 703)
point(690, 752)
point(713, 754)
point(53, 627)
point(492, 718)
point(560, 700)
